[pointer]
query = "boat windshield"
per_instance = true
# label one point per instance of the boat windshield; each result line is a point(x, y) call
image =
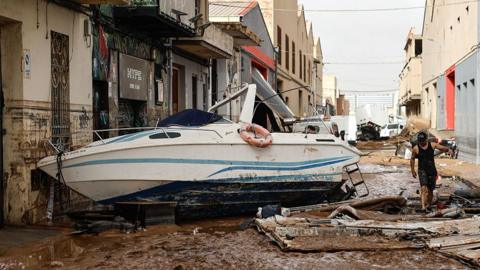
point(192, 118)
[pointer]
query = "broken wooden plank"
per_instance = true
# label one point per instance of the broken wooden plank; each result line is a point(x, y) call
point(455, 241)
point(460, 226)
point(377, 203)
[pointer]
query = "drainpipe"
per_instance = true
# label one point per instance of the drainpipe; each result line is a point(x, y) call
point(314, 86)
point(210, 89)
point(275, 56)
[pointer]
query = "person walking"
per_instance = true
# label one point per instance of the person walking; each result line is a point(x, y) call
point(427, 172)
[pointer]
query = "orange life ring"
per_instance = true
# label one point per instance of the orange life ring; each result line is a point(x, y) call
point(264, 140)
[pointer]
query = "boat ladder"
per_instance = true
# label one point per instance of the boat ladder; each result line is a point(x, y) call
point(352, 171)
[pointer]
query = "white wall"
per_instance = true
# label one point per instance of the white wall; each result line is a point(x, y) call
point(27, 98)
point(191, 68)
point(61, 20)
point(449, 32)
point(329, 89)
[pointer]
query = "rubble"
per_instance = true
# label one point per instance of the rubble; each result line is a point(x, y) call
point(376, 224)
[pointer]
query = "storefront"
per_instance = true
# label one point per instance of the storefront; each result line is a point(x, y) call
point(128, 87)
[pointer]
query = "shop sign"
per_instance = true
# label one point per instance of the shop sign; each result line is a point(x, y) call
point(133, 77)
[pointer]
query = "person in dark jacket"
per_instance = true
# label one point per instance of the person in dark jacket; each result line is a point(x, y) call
point(427, 172)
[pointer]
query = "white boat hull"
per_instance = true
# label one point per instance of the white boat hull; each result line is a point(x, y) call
point(113, 174)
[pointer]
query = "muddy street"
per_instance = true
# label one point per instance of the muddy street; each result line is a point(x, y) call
point(219, 244)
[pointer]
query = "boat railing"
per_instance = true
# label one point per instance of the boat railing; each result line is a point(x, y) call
point(163, 129)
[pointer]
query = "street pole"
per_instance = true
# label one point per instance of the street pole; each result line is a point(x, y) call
point(275, 56)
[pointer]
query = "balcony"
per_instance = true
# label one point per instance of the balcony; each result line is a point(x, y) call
point(158, 18)
point(214, 43)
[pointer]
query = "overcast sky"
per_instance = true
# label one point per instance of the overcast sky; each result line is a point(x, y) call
point(348, 37)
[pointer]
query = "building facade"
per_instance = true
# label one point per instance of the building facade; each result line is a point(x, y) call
point(257, 61)
point(451, 71)
point(77, 66)
point(330, 93)
point(46, 75)
point(410, 91)
point(299, 61)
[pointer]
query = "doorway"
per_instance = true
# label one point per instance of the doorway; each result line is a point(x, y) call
point(175, 90)
point(100, 109)
point(194, 91)
point(450, 98)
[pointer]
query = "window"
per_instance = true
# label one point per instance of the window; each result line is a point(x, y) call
point(418, 47)
point(309, 72)
point(300, 66)
point(433, 11)
point(472, 81)
point(60, 92)
point(304, 68)
point(279, 44)
point(165, 135)
point(300, 97)
point(293, 58)
point(287, 52)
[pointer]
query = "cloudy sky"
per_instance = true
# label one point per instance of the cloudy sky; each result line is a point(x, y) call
point(364, 37)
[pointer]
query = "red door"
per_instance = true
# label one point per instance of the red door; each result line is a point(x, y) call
point(450, 98)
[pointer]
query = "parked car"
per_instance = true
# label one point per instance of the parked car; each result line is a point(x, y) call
point(390, 130)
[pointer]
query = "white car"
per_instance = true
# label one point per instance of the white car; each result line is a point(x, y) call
point(390, 130)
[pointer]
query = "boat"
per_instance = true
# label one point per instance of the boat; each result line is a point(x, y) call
point(199, 160)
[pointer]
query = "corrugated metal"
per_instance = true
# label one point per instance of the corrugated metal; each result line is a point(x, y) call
point(227, 8)
point(467, 108)
point(271, 98)
point(441, 106)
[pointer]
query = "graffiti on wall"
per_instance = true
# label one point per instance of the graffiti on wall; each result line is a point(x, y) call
point(84, 119)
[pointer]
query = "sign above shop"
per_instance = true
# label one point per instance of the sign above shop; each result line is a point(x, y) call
point(133, 77)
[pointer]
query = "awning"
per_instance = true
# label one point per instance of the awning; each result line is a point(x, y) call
point(272, 99)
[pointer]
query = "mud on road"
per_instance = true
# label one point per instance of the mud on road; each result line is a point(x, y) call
point(219, 244)
point(216, 244)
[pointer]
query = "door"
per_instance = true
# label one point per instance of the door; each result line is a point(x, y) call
point(175, 90)
point(450, 98)
point(194, 91)
point(100, 109)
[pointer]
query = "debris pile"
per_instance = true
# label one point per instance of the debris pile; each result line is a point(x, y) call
point(383, 223)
